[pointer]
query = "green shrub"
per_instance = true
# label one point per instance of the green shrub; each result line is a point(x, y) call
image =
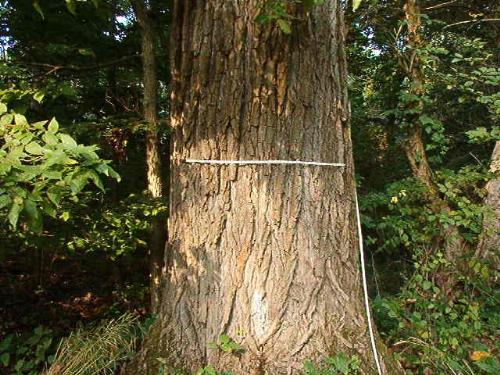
point(117, 229)
point(336, 365)
point(27, 354)
point(446, 330)
point(402, 218)
point(40, 168)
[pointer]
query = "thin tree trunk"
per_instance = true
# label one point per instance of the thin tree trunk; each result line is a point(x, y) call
point(414, 148)
point(490, 240)
point(267, 255)
point(153, 158)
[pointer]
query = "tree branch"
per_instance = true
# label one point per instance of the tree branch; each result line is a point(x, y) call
point(442, 5)
point(471, 21)
point(53, 68)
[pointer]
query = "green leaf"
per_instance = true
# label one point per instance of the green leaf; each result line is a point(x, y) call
point(262, 18)
point(5, 344)
point(53, 126)
point(55, 195)
point(48, 209)
point(38, 96)
point(78, 182)
point(224, 339)
point(233, 345)
point(19, 365)
point(6, 119)
point(356, 4)
point(13, 216)
point(34, 216)
point(38, 8)
point(97, 181)
point(5, 359)
point(20, 119)
point(86, 52)
point(5, 200)
point(67, 140)
point(49, 138)
point(209, 370)
point(3, 108)
point(52, 175)
point(71, 5)
point(56, 157)
point(426, 285)
point(108, 171)
point(114, 174)
point(34, 148)
point(310, 368)
point(284, 25)
point(39, 125)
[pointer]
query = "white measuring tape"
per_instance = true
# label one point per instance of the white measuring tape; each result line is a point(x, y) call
point(275, 162)
point(365, 285)
point(358, 218)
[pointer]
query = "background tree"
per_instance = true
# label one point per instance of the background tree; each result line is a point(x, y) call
point(412, 102)
point(459, 126)
point(143, 14)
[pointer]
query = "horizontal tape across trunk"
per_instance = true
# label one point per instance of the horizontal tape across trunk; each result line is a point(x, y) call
point(264, 162)
point(360, 235)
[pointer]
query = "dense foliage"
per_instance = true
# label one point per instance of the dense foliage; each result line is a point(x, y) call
point(41, 166)
point(74, 206)
point(442, 329)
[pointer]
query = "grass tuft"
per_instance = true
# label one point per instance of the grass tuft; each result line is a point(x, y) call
point(97, 350)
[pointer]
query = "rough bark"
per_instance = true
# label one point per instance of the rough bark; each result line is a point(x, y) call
point(489, 243)
point(414, 147)
point(153, 158)
point(265, 254)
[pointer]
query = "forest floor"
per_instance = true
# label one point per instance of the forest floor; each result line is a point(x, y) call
point(67, 292)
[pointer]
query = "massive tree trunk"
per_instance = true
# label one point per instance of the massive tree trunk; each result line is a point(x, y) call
point(266, 254)
point(490, 238)
point(153, 157)
point(450, 239)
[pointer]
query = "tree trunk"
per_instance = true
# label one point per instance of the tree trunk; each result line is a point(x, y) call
point(266, 254)
point(153, 158)
point(490, 239)
point(451, 239)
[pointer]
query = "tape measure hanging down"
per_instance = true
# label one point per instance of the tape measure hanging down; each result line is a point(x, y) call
point(358, 219)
